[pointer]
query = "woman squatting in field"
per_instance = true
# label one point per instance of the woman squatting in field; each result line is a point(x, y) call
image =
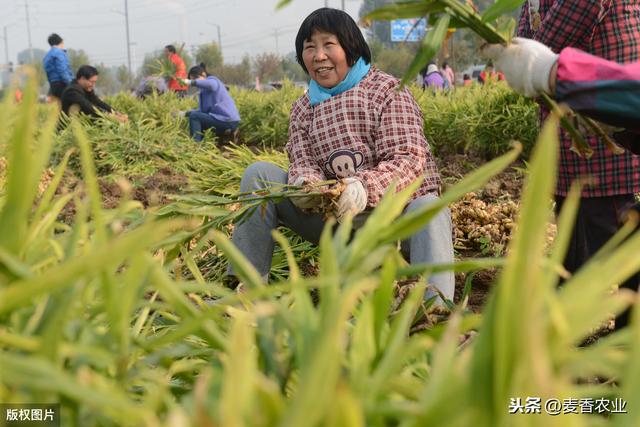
point(355, 125)
point(216, 109)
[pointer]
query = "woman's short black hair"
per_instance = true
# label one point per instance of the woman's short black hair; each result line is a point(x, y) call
point(336, 22)
point(86, 71)
point(54, 39)
point(170, 48)
point(197, 70)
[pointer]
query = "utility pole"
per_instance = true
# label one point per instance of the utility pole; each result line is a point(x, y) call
point(134, 60)
point(6, 46)
point(326, 3)
point(26, 9)
point(275, 33)
point(126, 24)
point(126, 20)
point(219, 37)
point(343, 5)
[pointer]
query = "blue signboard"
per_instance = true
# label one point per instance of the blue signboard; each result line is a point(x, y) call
point(407, 30)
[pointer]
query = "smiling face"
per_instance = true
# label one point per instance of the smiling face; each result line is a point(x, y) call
point(325, 59)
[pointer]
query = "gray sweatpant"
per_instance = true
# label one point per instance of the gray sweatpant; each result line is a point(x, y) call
point(432, 244)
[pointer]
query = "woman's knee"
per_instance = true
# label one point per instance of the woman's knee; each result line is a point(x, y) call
point(262, 175)
point(418, 202)
point(195, 116)
point(442, 218)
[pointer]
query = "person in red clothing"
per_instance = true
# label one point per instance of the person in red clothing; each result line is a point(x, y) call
point(181, 70)
point(488, 75)
point(611, 30)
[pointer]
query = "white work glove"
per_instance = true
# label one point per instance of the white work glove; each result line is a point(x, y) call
point(186, 82)
point(353, 199)
point(525, 63)
point(308, 202)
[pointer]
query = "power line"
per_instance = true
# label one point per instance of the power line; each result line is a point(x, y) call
point(10, 16)
point(107, 25)
point(256, 38)
point(108, 57)
point(207, 5)
point(82, 27)
point(26, 8)
point(68, 12)
point(219, 38)
point(260, 39)
point(256, 35)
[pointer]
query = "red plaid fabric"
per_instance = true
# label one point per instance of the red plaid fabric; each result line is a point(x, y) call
point(373, 132)
point(608, 29)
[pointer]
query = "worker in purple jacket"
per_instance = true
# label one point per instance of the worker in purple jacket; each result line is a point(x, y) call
point(216, 108)
point(593, 86)
point(434, 79)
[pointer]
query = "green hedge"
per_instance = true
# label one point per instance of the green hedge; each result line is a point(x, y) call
point(479, 121)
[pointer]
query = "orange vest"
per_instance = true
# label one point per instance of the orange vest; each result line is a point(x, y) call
point(181, 73)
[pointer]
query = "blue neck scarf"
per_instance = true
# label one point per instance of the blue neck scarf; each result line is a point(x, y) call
point(317, 93)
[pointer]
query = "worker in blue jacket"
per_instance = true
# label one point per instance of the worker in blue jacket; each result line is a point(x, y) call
point(57, 67)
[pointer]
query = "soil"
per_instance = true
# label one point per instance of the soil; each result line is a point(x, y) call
point(150, 191)
point(506, 186)
point(154, 191)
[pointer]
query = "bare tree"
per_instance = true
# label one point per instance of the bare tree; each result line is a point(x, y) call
point(268, 66)
point(210, 55)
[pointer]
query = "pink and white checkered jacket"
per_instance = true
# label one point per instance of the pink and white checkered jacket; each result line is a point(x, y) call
point(373, 132)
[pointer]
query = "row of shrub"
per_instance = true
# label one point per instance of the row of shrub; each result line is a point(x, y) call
point(480, 121)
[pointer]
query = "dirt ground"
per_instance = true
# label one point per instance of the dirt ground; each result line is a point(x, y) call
point(476, 234)
point(481, 219)
point(475, 219)
point(150, 191)
point(498, 199)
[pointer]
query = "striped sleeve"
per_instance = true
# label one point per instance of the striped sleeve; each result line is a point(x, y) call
point(602, 89)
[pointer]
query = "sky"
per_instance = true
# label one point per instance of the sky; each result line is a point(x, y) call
point(98, 26)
